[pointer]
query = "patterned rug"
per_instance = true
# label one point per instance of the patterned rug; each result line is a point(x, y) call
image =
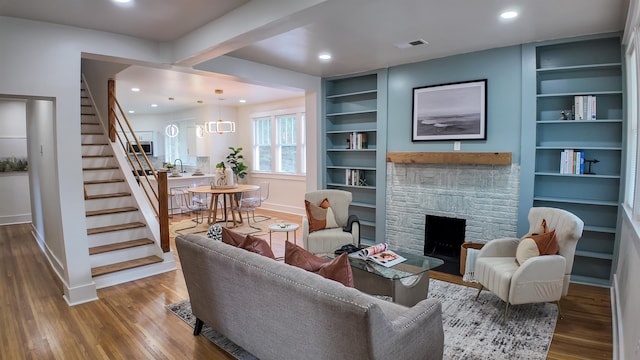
point(472, 329)
point(189, 226)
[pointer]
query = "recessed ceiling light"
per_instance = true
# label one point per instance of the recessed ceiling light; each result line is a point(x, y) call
point(131, 112)
point(135, 89)
point(243, 101)
point(324, 56)
point(170, 98)
point(154, 105)
point(200, 101)
point(121, 1)
point(509, 14)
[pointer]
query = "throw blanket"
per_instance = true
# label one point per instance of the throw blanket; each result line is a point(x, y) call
point(470, 266)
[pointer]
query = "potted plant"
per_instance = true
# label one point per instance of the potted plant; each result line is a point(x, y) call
point(235, 160)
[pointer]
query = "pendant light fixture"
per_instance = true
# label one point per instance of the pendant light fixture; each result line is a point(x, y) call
point(220, 126)
point(171, 130)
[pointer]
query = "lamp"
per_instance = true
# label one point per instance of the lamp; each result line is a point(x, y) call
point(220, 126)
point(171, 130)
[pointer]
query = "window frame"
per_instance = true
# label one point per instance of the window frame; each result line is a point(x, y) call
point(275, 145)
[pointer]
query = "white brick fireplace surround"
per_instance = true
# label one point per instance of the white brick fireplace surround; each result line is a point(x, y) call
point(485, 195)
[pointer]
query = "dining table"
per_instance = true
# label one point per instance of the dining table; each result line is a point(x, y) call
point(229, 200)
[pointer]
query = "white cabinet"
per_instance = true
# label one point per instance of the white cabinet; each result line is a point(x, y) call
point(197, 145)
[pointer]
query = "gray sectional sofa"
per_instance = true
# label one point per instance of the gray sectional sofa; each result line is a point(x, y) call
point(278, 311)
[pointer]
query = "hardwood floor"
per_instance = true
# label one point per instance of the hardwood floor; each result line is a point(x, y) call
point(130, 321)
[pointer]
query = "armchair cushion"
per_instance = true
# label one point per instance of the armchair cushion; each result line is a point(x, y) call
point(320, 217)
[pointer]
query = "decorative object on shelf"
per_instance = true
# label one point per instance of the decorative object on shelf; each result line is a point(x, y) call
point(589, 162)
point(220, 126)
point(171, 130)
point(223, 178)
point(566, 115)
point(450, 111)
point(14, 164)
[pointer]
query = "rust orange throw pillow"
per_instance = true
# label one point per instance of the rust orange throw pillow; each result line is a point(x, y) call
point(547, 243)
point(535, 244)
point(320, 216)
point(257, 245)
point(337, 269)
point(232, 237)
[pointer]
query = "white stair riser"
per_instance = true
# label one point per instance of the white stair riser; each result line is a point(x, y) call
point(102, 175)
point(110, 203)
point(98, 162)
point(134, 274)
point(96, 150)
point(92, 128)
point(113, 237)
point(94, 139)
point(113, 257)
point(113, 219)
point(107, 188)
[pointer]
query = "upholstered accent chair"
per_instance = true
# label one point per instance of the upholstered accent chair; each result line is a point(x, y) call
point(329, 239)
point(531, 279)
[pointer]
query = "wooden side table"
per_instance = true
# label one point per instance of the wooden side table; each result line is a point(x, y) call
point(284, 227)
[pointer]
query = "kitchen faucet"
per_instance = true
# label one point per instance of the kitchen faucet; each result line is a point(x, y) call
point(175, 163)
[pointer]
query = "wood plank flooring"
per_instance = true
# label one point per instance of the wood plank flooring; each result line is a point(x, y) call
point(130, 321)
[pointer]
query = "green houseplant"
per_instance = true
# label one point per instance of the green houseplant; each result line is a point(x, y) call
point(235, 161)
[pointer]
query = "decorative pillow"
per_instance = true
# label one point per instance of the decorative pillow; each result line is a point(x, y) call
point(257, 245)
point(337, 269)
point(536, 245)
point(320, 217)
point(527, 248)
point(215, 232)
point(541, 229)
point(299, 257)
point(231, 237)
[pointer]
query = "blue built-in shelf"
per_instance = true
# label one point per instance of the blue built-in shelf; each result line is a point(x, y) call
point(563, 70)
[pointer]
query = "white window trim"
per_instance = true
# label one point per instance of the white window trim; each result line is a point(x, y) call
point(300, 140)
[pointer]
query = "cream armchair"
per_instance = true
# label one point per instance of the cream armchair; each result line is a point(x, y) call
point(542, 278)
point(328, 240)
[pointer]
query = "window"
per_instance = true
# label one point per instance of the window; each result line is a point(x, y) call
point(177, 147)
point(278, 142)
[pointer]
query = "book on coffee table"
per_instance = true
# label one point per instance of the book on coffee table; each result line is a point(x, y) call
point(380, 254)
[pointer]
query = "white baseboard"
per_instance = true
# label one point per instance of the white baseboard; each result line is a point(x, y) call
point(15, 219)
point(283, 208)
point(616, 325)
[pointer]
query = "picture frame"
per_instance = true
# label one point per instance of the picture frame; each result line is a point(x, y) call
point(454, 111)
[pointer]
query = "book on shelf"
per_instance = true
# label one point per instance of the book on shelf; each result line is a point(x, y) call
point(380, 254)
point(353, 176)
point(584, 107)
point(572, 162)
point(357, 140)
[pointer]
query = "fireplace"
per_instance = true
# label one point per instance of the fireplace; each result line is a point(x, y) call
point(443, 237)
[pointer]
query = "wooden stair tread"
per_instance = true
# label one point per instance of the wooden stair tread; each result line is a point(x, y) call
point(111, 211)
point(108, 269)
point(101, 168)
point(107, 181)
point(119, 246)
point(104, 229)
point(96, 156)
point(106, 196)
point(92, 133)
point(95, 144)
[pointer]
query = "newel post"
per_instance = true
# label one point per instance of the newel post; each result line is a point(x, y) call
point(163, 210)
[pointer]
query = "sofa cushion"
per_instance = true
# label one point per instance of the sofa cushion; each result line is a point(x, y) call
point(257, 245)
point(320, 216)
point(231, 237)
point(337, 269)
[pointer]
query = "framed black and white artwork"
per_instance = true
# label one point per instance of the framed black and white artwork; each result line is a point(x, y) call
point(456, 111)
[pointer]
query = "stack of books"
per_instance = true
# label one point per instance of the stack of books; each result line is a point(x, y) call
point(353, 177)
point(584, 107)
point(572, 162)
point(357, 140)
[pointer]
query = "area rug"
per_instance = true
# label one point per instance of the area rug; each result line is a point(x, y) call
point(472, 329)
point(188, 226)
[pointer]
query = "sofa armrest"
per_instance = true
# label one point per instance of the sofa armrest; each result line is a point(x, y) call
point(414, 333)
point(500, 247)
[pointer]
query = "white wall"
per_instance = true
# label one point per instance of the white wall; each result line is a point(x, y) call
point(286, 192)
point(15, 205)
point(42, 60)
point(627, 290)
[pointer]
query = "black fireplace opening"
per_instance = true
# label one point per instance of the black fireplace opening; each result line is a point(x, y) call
point(443, 238)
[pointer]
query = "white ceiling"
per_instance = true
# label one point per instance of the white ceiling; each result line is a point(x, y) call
point(361, 34)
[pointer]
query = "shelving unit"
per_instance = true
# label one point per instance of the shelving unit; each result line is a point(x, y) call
point(353, 105)
point(564, 70)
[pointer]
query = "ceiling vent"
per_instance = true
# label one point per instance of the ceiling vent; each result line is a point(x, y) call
point(406, 45)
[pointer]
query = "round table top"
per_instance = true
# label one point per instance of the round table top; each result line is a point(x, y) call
point(238, 189)
point(283, 227)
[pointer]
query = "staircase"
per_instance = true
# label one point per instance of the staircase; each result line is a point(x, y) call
point(121, 246)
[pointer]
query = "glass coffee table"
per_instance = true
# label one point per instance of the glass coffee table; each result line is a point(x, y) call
point(406, 283)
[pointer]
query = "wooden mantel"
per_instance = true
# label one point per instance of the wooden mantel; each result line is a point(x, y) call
point(456, 157)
